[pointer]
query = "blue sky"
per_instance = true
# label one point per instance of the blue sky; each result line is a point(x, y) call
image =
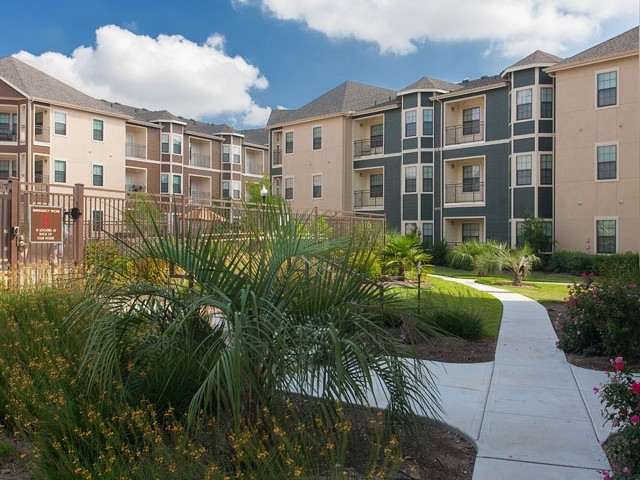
point(233, 61)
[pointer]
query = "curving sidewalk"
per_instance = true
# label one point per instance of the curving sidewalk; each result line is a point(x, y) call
point(531, 414)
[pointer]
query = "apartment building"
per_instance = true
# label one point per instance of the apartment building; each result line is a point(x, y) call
point(54, 135)
point(474, 159)
point(597, 177)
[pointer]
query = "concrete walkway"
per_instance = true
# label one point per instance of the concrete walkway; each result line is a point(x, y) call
point(531, 414)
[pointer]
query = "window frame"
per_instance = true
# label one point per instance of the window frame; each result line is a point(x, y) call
point(165, 139)
point(604, 166)
point(524, 109)
point(410, 183)
point(236, 190)
point(471, 183)
point(546, 102)
point(427, 237)
point(97, 121)
point(376, 190)
point(63, 131)
point(164, 183)
point(410, 123)
point(176, 141)
point(316, 186)
point(288, 190)
point(524, 176)
point(95, 176)
point(604, 94)
point(288, 142)
point(57, 162)
point(466, 238)
point(226, 153)
point(427, 180)
point(471, 124)
point(226, 183)
point(427, 123)
point(174, 177)
point(97, 221)
point(546, 172)
point(316, 133)
point(606, 248)
point(236, 154)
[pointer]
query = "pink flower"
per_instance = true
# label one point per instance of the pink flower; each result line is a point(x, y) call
point(634, 420)
point(635, 387)
point(596, 390)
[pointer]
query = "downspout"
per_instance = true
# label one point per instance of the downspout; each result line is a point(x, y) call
point(438, 208)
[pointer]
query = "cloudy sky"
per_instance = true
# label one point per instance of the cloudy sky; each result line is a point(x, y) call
point(233, 61)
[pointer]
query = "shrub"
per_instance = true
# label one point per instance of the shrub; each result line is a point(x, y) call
point(621, 399)
point(577, 263)
point(460, 323)
point(602, 318)
point(439, 253)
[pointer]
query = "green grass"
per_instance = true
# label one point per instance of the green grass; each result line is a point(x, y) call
point(541, 277)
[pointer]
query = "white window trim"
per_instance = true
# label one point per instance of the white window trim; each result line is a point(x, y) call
point(433, 121)
point(595, 81)
point(234, 149)
point(67, 171)
point(175, 136)
point(404, 178)
point(284, 189)
point(66, 124)
point(171, 177)
point(92, 129)
point(595, 161)
point(534, 100)
point(313, 175)
point(404, 122)
point(595, 233)
point(532, 156)
point(293, 143)
point(321, 138)
point(103, 174)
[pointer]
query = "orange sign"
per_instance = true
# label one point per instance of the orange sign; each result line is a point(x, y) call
point(46, 224)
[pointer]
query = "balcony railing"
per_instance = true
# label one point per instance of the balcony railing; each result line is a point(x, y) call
point(42, 133)
point(200, 198)
point(135, 188)
point(7, 135)
point(368, 146)
point(200, 160)
point(255, 168)
point(465, 133)
point(136, 150)
point(276, 157)
point(363, 199)
point(464, 193)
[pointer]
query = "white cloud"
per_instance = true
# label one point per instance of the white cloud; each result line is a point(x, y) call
point(169, 72)
point(512, 27)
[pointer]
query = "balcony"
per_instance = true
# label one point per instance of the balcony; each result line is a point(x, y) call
point(42, 133)
point(199, 160)
point(7, 135)
point(368, 146)
point(131, 188)
point(200, 198)
point(135, 150)
point(465, 133)
point(368, 198)
point(276, 157)
point(464, 192)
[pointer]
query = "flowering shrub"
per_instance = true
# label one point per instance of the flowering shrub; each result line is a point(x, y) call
point(621, 400)
point(601, 318)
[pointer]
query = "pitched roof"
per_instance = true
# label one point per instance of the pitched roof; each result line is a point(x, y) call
point(37, 85)
point(433, 84)
point(346, 97)
point(536, 59)
point(624, 44)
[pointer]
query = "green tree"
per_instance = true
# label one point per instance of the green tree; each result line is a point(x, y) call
point(520, 261)
point(533, 234)
point(403, 252)
point(252, 317)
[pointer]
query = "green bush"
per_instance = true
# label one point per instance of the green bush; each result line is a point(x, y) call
point(602, 318)
point(577, 263)
point(465, 324)
point(439, 253)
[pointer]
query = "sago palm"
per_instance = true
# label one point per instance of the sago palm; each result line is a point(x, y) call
point(252, 315)
point(402, 252)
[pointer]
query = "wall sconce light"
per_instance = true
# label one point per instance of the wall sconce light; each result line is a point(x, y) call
point(453, 222)
point(453, 166)
point(453, 109)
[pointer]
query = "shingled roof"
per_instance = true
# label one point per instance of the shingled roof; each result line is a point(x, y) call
point(536, 59)
point(624, 44)
point(346, 97)
point(432, 84)
point(39, 86)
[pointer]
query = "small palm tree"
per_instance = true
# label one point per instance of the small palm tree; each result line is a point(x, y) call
point(520, 261)
point(402, 252)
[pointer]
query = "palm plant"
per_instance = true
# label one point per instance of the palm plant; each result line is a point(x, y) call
point(402, 252)
point(520, 261)
point(251, 317)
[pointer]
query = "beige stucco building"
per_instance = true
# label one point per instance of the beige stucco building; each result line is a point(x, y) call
point(597, 151)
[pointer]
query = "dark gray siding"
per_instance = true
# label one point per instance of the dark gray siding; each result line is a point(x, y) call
point(409, 158)
point(523, 78)
point(426, 157)
point(524, 145)
point(545, 202)
point(545, 126)
point(410, 206)
point(410, 101)
point(410, 143)
point(497, 114)
point(545, 78)
point(545, 144)
point(524, 128)
point(523, 202)
point(392, 131)
point(426, 206)
point(426, 142)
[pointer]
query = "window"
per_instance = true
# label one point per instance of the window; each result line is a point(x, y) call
point(427, 121)
point(288, 142)
point(237, 150)
point(165, 143)
point(177, 144)
point(317, 186)
point(427, 178)
point(96, 220)
point(5, 169)
point(427, 235)
point(376, 187)
point(60, 120)
point(471, 121)
point(226, 192)
point(226, 153)
point(164, 183)
point(523, 170)
point(317, 138)
point(410, 174)
point(177, 184)
point(39, 123)
point(410, 228)
point(607, 162)
point(546, 169)
point(546, 102)
point(607, 88)
point(98, 176)
point(523, 104)
point(471, 178)
point(98, 130)
point(605, 236)
point(470, 232)
point(236, 190)
point(288, 188)
point(60, 171)
point(377, 136)
point(410, 123)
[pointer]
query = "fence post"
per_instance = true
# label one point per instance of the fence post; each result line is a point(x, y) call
point(78, 223)
point(14, 220)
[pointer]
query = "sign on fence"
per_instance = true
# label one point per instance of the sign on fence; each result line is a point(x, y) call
point(46, 224)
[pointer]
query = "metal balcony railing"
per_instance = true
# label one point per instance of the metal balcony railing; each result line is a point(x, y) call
point(200, 160)
point(465, 133)
point(7, 135)
point(200, 198)
point(368, 146)
point(42, 133)
point(464, 192)
point(255, 167)
point(364, 198)
point(136, 150)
